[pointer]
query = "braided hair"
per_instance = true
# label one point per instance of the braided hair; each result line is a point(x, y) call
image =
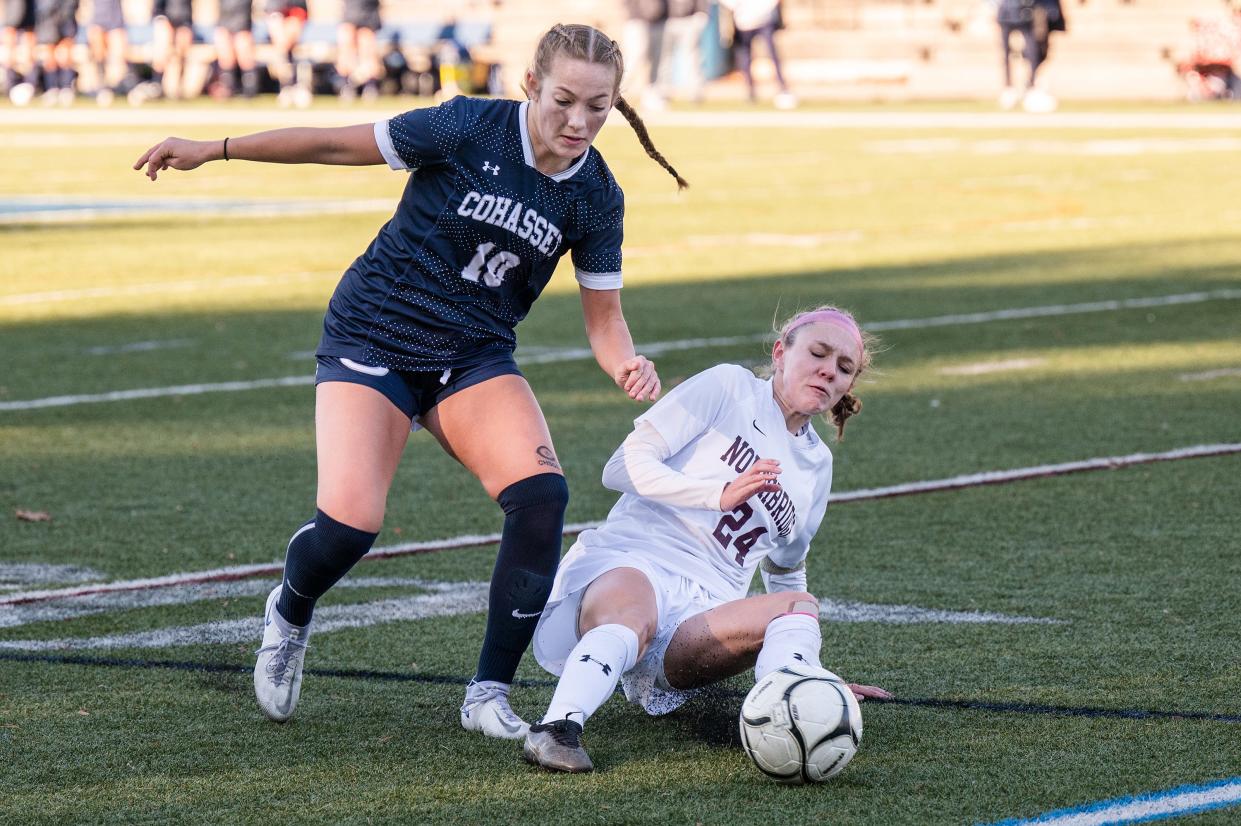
point(587, 43)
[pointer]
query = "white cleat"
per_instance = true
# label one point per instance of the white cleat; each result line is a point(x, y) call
point(486, 709)
point(278, 672)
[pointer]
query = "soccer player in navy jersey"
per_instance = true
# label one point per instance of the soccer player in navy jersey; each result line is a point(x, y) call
point(420, 328)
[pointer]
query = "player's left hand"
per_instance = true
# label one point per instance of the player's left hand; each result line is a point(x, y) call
point(638, 378)
point(861, 692)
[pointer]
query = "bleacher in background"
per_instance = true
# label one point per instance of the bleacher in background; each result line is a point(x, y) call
point(833, 49)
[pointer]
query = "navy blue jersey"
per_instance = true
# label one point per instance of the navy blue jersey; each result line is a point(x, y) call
point(474, 240)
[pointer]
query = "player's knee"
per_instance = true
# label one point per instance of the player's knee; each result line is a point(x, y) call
point(545, 492)
point(636, 618)
point(534, 523)
point(799, 602)
point(360, 513)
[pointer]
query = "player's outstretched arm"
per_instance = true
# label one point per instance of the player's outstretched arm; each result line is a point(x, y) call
point(344, 145)
point(612, 345)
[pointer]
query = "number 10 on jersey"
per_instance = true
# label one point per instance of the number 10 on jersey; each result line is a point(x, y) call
point(491, 270)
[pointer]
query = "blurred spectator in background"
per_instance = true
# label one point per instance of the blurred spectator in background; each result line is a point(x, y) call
point(55, 28)
point(234, 50)
point(643, 38)
point(679, 68)
point(758, 19)
point(17, 51)
point(1211, 70)
point(109, 47)
point(357, 50)
point(1036, 20)
point(285, 21)
point(172, 35)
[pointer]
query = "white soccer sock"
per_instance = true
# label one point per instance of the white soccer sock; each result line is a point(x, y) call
point(591, 672)
point(790, 639)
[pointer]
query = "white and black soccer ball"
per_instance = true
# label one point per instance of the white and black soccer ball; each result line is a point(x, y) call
point(800, 725)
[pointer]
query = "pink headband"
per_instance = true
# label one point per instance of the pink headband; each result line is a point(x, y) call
point(842, 320)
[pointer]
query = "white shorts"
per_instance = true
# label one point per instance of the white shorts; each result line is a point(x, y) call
point(676, 600)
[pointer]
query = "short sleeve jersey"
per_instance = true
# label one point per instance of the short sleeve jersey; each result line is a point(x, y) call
point(717, 424)
point(475, 238)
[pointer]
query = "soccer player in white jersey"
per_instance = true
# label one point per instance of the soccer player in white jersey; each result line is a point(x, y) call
point(724, 476)
point(421, 328)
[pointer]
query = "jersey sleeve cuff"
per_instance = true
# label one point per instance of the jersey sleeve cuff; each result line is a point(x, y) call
point(599, 280)
point(383, 139)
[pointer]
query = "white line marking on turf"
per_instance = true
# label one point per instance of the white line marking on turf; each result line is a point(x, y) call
point(995, 477)
point(984, 367)
point(1211, 375)
point(137, 347)
point(158, 392)
point(1142, 808)
point(475, 540)
point(164, 287)
point(14, 575)
point(657, 347)
point(842, 611)
point(445, 600)
point(83, 605)
point(43, 210)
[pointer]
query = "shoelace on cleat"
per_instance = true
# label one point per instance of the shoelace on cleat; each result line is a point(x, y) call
point(566, 733)
point(283, 662)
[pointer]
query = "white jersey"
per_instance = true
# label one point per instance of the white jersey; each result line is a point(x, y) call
point(716, 425)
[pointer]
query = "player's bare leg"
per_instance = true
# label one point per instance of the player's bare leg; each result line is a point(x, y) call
point(496, 429)
point(617, 619)
point(781, 627)
point(360, 436)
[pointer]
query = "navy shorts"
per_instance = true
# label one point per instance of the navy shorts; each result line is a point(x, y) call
point(55, 20)
point(177, 12)
point(19, 14)
point(235, 16)
point(363, 14)
point(415, 392)
point(108, 15)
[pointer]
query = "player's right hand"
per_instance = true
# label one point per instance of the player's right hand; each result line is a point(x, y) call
point(760, 477)
point(177, 153)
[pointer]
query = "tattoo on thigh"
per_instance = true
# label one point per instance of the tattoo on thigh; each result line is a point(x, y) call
point(547, 457)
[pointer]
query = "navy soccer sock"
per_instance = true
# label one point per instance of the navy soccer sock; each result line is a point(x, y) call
point(320, 553)
point(525, 567)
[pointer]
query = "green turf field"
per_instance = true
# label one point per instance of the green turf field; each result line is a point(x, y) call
point(1046, 294)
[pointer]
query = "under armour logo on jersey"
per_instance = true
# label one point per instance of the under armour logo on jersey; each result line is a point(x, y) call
point(607, 669)
point(493, 169)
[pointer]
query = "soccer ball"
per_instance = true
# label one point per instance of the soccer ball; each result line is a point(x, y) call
point(800, 725)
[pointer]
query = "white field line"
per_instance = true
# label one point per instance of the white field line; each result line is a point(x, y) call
point(467, 541)
point(446, 599)
point(657, 347)
point(983, 368)
point(1211, 375)
point(46, 211)
point(996, 477)
point(841, 611)
point(161, 288)
point(1143, 808)
point(138, 347)
point(73, 607)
